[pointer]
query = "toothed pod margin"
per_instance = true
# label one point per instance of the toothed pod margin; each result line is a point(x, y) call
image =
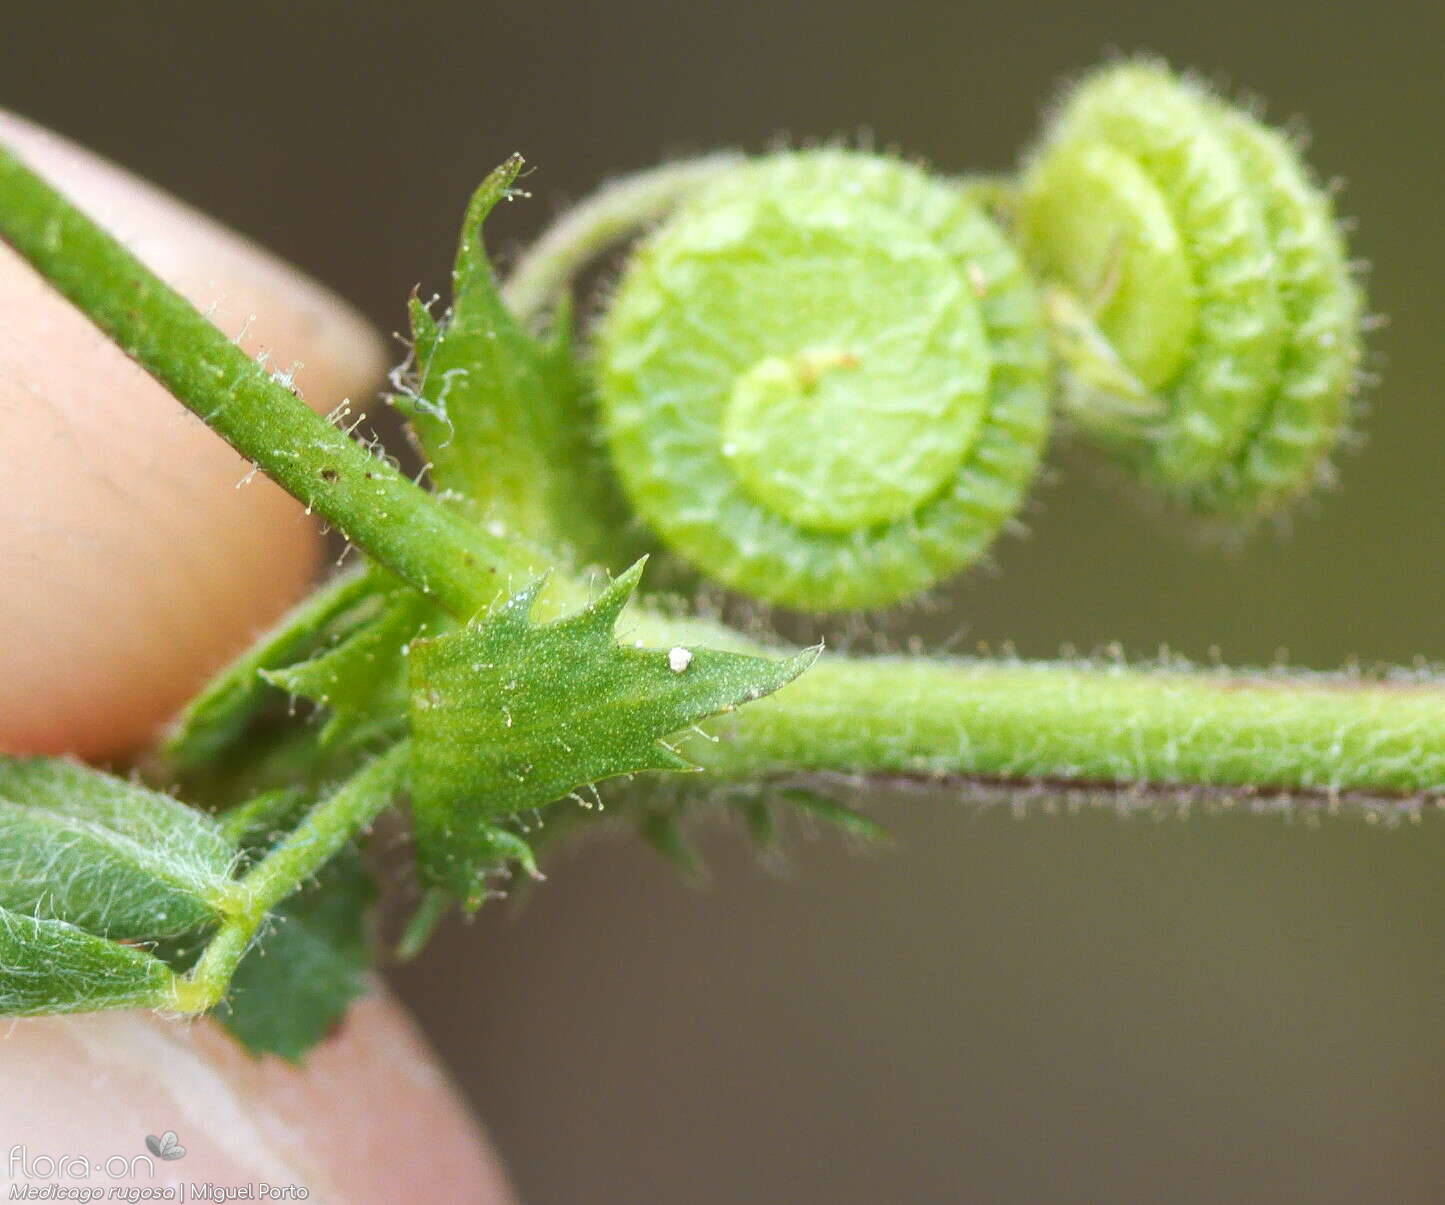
point(824, 380)
point(1214, 266)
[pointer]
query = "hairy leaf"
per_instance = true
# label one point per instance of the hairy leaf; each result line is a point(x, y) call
point(508, 715)
point(104, 854)
point(50, 966)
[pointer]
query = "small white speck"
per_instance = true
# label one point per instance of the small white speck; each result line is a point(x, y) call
point(679, 659)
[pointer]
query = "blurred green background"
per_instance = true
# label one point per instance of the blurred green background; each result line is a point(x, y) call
point(1076, 1008)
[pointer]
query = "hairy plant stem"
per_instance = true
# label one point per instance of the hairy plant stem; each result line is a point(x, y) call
point(601, 221)
point(321, 834)
point(1013, 720)
point(1104, 724)
point(459, 564)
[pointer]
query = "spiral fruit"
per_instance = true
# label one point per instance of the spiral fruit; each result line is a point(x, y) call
point(1212, 264)
point(824, 380)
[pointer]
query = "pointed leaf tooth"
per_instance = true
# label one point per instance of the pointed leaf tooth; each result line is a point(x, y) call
point(472, 268)
point(424, 332)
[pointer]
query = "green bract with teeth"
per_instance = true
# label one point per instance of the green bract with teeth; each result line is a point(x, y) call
point(508, 715)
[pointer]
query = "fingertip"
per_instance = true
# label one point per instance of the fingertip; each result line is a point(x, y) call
point(367, 1118)
point(138, 552)
point(262, 301)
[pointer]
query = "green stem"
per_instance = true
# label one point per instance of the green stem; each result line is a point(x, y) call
point(462, 566)
point(601, 221)
point(1009, 720)
point(304, 851)
point(1091, 724)
point(326, 828)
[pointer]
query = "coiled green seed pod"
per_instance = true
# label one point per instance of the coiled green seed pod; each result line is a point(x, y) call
point(1212, 264)
point(824, 380)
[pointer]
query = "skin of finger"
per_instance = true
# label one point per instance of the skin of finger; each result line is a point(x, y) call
point(137, 551)
point(368, 1120)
